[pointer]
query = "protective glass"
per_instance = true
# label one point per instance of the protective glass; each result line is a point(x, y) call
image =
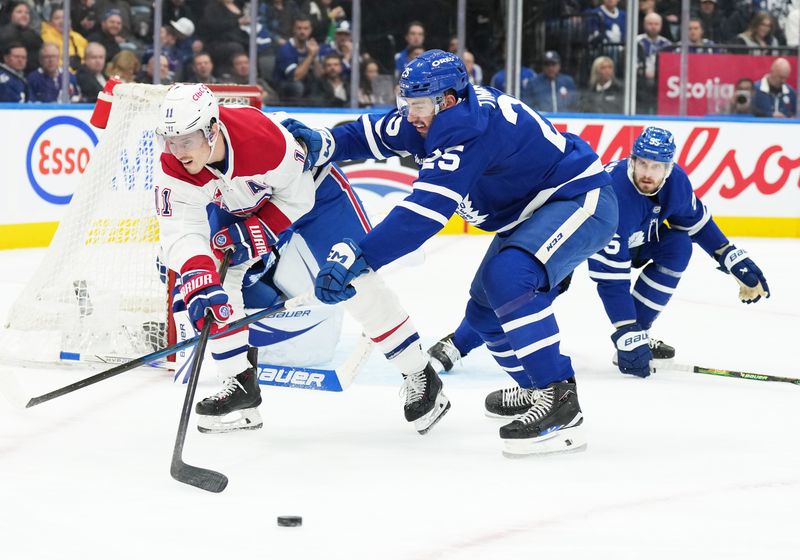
point(183, 143)
point(418, 107)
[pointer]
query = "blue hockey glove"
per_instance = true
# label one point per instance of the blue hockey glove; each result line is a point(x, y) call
point(247, 240)
point(752, 284)
point(318, 141)
point(200, 290)
point(633, 350)
point(345, 263)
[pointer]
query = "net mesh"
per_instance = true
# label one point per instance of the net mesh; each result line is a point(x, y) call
point(99, 290)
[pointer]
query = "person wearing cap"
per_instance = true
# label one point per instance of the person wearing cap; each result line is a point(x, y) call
point(713, 22)
point(176, 45)
point(553, 91)
point(342, 47)
point(123, 9)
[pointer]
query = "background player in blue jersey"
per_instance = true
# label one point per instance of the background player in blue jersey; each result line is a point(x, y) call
point(502, 167)
point(652, 192)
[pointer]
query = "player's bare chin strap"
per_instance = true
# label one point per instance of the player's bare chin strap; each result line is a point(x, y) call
point(385, 321)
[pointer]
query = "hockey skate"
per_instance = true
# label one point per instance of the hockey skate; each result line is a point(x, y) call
point(660, 350)
point(552, 424)
point(235, 406)
point(425, 402)
point(509, 402)
point(444, 354)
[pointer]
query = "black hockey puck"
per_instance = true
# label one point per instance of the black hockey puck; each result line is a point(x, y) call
point(289, 521)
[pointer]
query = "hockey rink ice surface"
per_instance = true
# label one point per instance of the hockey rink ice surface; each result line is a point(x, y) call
point(678, 465)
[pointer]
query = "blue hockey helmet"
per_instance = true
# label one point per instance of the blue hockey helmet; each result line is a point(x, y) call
point(433, 73)
point(656, 144)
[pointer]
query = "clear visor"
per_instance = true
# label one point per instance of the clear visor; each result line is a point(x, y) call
point(649, 167)
point(183, 143)
point(418, 107)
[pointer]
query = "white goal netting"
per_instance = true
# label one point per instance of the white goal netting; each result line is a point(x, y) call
point(99, 291)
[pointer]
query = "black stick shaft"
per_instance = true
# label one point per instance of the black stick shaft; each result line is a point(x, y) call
point(155, 356)
point(180, 471)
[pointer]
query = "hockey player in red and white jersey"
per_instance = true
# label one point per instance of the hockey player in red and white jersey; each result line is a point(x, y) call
point(233, 179)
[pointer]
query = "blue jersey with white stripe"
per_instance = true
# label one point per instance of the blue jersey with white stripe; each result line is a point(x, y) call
point(490, 159)
point(640, 218)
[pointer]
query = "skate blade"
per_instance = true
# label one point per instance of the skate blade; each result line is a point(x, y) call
point(245, 419)
point(500, 416)
point(566, 440)
point(424, 424)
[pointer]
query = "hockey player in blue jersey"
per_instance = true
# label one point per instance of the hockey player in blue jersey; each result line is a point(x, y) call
point(504, 168)
point(652, 192)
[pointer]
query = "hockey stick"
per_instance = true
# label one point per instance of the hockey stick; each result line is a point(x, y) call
point(205, 479)
point(155, 356)
point(731, 373)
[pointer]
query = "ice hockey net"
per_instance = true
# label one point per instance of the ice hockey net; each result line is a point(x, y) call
point(99, 291)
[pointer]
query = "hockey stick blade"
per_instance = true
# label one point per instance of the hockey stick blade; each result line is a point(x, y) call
point(731, 373)
point(205, 479)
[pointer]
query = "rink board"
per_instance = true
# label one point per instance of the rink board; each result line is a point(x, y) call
point(746, 171)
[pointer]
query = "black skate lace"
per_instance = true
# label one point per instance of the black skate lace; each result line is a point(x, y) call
point(413, 387)
point(516, 396)
point(230, 388)
point(655, 343)
point(542, 404)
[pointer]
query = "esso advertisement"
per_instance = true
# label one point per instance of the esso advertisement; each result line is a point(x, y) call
point(59, 152)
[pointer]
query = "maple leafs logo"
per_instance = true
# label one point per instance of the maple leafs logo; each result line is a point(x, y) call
point(470, 214)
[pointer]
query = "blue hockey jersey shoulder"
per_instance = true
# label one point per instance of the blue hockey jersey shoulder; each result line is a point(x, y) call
point(468, 120)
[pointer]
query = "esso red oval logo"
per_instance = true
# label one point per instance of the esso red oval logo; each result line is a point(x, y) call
point(58, 154)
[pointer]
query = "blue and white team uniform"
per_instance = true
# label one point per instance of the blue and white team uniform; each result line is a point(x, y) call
point(503, 168)
point(655, 234)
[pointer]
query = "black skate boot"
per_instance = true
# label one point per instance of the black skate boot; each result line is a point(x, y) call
point(235, 406)
point(425, 401)
point(509, 402)
point(660, 350)
point(552, 424)
point(444, 354)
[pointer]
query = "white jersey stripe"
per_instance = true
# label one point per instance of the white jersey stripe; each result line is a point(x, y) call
point(609, 275)
point(423, 211)
point(647, 302)
point(653, 284)
point(444, 191)
point(538, 345)
point(527, 320)
point(370, 136)
point(608, 262)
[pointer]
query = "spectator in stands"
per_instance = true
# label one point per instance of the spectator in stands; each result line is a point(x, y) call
point(121, 7)
point(173, 10)
point(553, 91)
point(202, 70)
point(91, 77)
point(342, 46)
point(45, 81)
point(282, 14)
point(526, 77)
point(110, 34)
point(13, 85)
point(84, 17)
point(221, 32)
point(773, 97)
point(648, 45)
point(298, 64)
point(607, 26)
point(18, 30)
point(415, 37)
point(333, 91)
point(714, 27)
point(791, 28)
point(240, 74)
point(176, 45)
point(145, 75)
point(605, 93)
point(742, 100)
point(125, 65)
point(758, 34)
point(474, 71)
point(325, 16)
point(697, 42)
point(367, 76)
point(51, 33)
